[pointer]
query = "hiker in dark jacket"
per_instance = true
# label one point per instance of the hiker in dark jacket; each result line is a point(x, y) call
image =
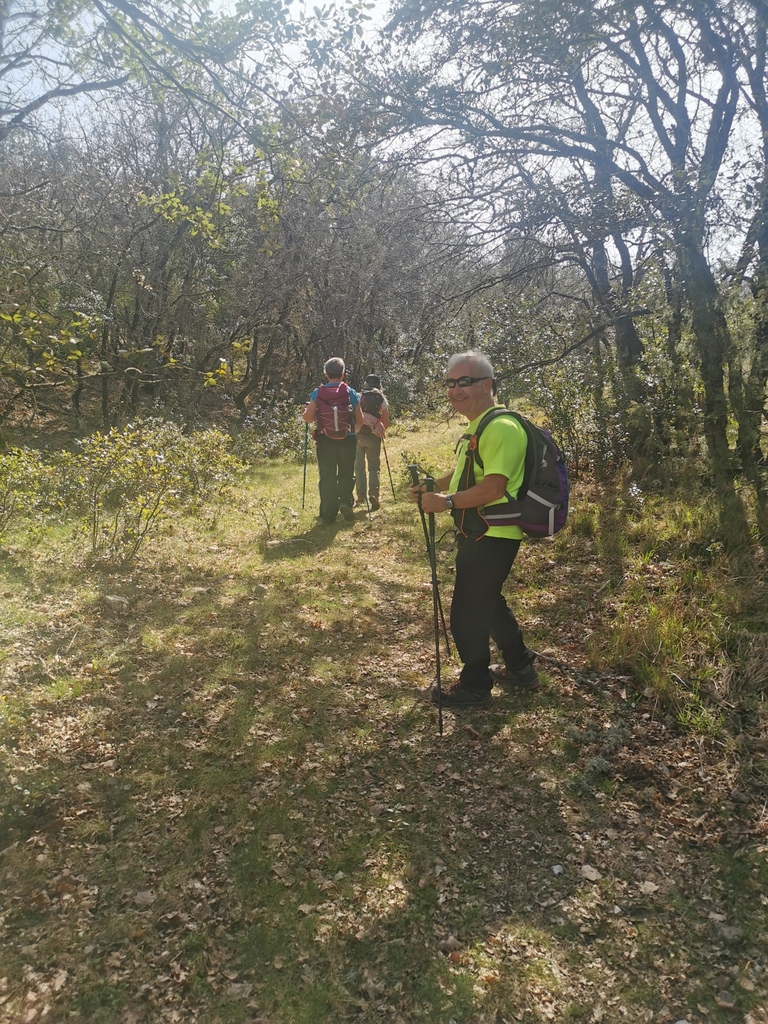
point(334, 409)
point(485, 554)
point(370, 434)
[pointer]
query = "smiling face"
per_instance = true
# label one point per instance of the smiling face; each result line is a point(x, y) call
point(474, 399)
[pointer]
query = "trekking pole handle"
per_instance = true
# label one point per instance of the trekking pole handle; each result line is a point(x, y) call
point(413, 469)
point(429, 483)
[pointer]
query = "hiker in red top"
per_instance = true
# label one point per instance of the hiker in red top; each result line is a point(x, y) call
point(334, 408)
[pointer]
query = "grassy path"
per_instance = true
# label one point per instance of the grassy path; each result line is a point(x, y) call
point(228, 801)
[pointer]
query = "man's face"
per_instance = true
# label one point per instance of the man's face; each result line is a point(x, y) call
point(473, 399)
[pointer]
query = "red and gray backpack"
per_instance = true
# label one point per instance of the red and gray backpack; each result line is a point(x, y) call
point(334, 411)
point(541, 506)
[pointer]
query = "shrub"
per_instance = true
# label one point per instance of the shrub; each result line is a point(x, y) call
point(415, 389)
point(21, 473)
point(124, 483)
point(565, 394)
point(273, 430)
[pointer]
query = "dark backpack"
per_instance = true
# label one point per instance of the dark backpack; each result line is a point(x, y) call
point(541, 506)
point(371, 401)
point(334, 411)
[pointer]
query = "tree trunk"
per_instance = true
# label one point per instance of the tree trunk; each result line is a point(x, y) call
point(106, 413)
point(755, 408)
point(256, 375)
point(629, 347)
point(79, 423)
point(712, 339)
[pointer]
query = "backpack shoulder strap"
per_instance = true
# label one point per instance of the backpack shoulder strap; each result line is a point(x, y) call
point(492, 414)
point(530, 447)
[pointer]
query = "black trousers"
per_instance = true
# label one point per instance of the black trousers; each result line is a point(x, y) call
point(480, 613)
point(336, 467)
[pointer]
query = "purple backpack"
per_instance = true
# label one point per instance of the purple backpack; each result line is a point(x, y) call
point(334, 416)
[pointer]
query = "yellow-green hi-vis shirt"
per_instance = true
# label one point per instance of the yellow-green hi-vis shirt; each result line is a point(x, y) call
point(502, 449)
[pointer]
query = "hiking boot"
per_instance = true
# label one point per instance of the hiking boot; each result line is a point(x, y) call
point(347, 513)
point(375, 506)
point(525, 678)
point(458, 697)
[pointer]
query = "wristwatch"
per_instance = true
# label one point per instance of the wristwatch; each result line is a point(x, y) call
point(448, 498)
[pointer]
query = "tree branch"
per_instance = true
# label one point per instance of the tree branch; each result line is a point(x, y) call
point(539, 363)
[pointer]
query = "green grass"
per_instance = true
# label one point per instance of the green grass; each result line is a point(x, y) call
point(232, 803)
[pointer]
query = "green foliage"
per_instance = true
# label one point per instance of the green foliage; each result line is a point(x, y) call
point(583, 520)
point(172, 208)
point(565, 393)
point(695, 715)
point(20, 473)
point(414, 389)
point(423, 462)
point(606, 416)
point(123, 484)
point(273, 430)
point(596, 771)
point(39, 346)
point(603, 413)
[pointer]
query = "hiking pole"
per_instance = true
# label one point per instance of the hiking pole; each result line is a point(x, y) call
point(386, 459)
point(413, 469)
point(430, 486)
point(306, 439)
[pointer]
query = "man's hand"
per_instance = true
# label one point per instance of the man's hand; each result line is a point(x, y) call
point(433, 501)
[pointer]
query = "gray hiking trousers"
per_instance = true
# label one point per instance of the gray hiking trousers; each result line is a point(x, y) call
point(368, 452)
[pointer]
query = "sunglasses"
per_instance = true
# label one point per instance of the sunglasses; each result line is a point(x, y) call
point(463, 382)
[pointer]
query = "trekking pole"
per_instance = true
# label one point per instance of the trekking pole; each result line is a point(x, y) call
point(386, 459)
point(414, 471)
point(306, 439)
point(430, 485)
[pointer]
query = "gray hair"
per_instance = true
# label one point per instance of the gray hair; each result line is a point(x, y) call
point(334, 368)
point(481, 363)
